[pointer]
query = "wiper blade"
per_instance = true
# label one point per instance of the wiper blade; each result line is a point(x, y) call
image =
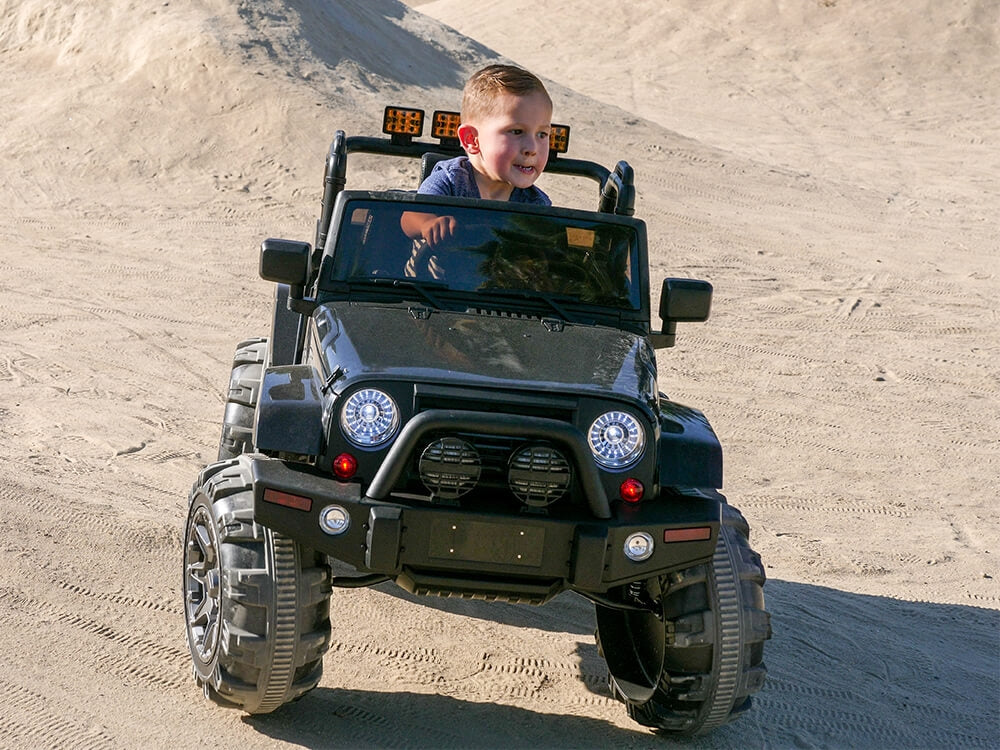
point(422, 288)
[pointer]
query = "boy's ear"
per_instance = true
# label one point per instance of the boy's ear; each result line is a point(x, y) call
point(468, 136)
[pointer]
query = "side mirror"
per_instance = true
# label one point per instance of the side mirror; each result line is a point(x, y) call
point(286, 262)
point(681, 301)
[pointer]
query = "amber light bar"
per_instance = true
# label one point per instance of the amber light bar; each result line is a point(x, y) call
point(405, 122)
point(444, 125)
point(559, 139)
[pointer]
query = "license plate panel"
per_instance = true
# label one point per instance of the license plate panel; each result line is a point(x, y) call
point(480, 542)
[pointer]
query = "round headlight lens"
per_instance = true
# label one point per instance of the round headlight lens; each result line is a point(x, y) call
point(369, 418)
point(616, 439)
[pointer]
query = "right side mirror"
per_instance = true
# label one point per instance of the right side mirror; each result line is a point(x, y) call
point(681, 301)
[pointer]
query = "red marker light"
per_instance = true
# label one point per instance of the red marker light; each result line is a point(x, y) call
point(631, 490)
point(345, 466)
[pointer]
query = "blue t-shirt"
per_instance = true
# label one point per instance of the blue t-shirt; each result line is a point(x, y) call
point(456, 177)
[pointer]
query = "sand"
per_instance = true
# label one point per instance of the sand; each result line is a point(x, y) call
point(833, 168)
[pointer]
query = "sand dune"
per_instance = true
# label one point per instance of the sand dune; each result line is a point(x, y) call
point(831, 168)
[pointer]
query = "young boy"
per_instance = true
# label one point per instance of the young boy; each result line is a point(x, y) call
point(506, 117)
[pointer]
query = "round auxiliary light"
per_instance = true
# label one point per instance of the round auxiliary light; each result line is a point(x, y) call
point(616, 439)
point(450, 468)
point(539, 475)
point(345, 466)
point(334, 520)
point(639, 546)
point(369, 418)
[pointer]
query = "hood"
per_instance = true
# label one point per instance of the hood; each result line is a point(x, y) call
point(401, 343)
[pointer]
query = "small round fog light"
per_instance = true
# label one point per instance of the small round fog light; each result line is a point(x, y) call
point(639, 546)
point(345, 466)
point(631, 490)
point(334, 519)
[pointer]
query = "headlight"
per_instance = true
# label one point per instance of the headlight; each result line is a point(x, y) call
point(369, 418)
point(616, 439)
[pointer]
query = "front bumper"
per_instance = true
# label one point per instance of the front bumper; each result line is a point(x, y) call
point(447, 550)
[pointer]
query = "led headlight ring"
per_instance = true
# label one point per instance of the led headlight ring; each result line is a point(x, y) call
point(369, 418)
point(616, 439)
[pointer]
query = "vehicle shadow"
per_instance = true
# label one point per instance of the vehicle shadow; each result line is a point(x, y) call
point(844, 670)
point(353, 719)
point(862, 671)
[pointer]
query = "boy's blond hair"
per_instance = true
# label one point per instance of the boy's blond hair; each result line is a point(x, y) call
point(485, 86)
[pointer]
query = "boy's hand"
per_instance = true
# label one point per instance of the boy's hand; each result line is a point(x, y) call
point(438, 229)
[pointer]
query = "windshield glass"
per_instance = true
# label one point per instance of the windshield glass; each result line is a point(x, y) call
point(487, 250)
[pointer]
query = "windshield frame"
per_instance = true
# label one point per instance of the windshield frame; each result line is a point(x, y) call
point(635, 316)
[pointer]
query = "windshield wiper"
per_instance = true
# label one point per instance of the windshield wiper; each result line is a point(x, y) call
point(422, 288)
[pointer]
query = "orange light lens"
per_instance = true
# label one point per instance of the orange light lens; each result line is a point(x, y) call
point(445, 124)
point(287, 499)
point(559, 139)
point(399, 121)
point(345, 466)
point(696, 534)
point(631, 490)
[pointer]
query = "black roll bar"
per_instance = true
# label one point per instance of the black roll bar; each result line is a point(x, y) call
point(616, 193)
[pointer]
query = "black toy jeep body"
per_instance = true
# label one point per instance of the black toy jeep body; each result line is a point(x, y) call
point(478, 419)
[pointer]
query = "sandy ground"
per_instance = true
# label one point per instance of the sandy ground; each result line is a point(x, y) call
point(832, 167)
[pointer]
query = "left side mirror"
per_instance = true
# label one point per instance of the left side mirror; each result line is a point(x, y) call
point(685, 300)
point(681, 301)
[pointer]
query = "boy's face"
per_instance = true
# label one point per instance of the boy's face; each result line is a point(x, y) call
point(509, 148)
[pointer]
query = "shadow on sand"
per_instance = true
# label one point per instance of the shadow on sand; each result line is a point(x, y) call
point(845, 670)
point(375, 37)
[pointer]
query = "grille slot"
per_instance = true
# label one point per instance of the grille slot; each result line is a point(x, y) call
point(474, 399)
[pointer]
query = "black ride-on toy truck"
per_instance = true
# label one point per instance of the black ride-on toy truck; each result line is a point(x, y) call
point(483, 420)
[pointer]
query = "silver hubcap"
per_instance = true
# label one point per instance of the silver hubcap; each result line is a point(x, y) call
point(202, 584)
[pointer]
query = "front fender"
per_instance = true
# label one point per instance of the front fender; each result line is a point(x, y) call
point(689, 452)
point(290, 411)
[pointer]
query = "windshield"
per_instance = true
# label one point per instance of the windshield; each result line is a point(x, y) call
point(489, 250)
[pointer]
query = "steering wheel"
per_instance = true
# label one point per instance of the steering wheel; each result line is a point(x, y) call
point(421, 262)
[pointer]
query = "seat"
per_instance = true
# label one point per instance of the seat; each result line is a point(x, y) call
point(428, 160)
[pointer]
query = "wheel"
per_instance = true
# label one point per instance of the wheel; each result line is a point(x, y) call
point(256, 604)
point(241, 401)
point(693, 665)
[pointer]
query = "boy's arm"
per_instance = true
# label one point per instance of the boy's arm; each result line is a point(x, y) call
point(429, 227)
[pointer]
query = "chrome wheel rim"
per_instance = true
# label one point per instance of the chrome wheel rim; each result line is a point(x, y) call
point(202, 585)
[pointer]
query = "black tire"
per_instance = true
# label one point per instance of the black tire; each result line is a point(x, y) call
point(256, 604)
point(695, 668)
point(241, 400)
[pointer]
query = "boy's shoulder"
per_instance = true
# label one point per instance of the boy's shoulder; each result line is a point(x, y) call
point(457, 177)
point(451, 177)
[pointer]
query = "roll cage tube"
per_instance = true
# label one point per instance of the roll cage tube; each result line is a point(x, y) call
point(616, 193)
